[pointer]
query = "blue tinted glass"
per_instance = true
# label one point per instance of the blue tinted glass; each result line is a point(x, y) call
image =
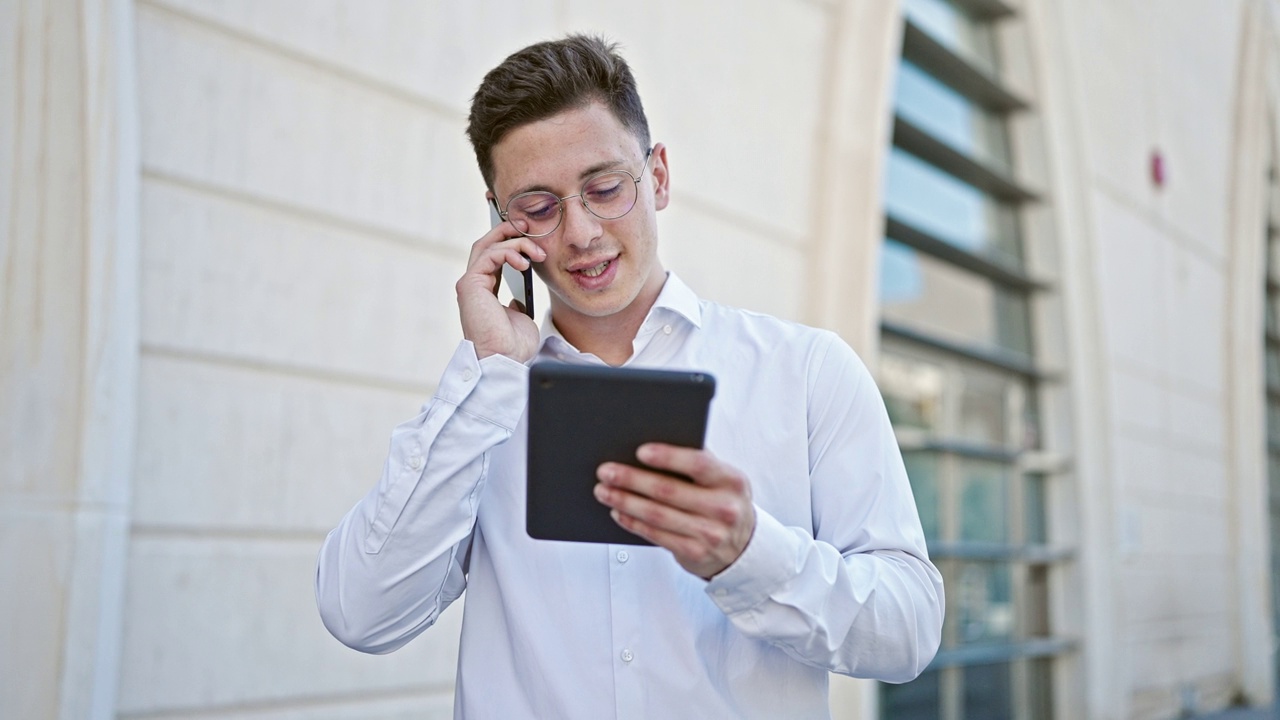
point(901, 278)
point(950, 116)
point(937, 203)
point(988, 692)
point(922, 470)
point(951, 27)
point(980, 603)
point(950, 303)
point(913, 389)
point(1037, 515)
point(916, 700)
point(984, 496)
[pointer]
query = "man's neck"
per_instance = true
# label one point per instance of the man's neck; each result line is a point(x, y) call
point(611, 337)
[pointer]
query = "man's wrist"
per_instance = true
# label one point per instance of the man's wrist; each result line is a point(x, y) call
point(766, 563)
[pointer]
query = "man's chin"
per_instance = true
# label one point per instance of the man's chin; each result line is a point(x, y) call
point(601, 305)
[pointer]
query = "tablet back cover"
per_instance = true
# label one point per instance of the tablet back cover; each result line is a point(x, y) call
point(581, 416)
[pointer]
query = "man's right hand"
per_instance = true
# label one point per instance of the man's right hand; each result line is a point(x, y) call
point(492, 328)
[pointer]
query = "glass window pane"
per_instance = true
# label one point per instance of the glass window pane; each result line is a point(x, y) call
point(988, 692)
point(980, 604)
point(1273, 475)
point(1273, 366)
point(1031, 435)
point(940, 299)
point(992, 407)
point(1273, 422)
point(942, 396)
point(1037, 601)
point(948, 25)
point(912, 389)
point(950, 209)
point(922, 469)
point(916, 700)
point(984, 495)
point(950, 116)
point(1040, 689)
point(1274, 201)
point(1273, 256)
point(1034, 490)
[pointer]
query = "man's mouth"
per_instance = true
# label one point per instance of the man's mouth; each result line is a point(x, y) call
point(595, 270)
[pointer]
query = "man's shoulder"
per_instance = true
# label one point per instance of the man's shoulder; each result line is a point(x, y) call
point(739, 322)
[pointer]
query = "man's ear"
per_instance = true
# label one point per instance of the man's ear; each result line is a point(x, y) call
point(661, 177)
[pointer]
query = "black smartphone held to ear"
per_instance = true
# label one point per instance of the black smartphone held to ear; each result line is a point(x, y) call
point(520, 281)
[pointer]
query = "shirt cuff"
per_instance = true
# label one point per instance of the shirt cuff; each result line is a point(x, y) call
point(494, 389)
point(767, 563)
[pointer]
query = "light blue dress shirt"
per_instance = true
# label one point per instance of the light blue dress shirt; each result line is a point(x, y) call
point(836, 577)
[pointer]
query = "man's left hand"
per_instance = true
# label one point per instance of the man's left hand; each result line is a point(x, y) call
point(706, 523)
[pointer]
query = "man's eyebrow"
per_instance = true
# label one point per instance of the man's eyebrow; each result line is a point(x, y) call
point(599, 168)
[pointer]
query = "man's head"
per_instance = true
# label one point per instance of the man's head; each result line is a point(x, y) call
point(546, 79)
point(562, 120)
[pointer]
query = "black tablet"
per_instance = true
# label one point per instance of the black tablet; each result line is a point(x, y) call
point(583, 415)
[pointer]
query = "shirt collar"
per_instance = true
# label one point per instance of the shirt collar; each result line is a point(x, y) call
point(676, 297)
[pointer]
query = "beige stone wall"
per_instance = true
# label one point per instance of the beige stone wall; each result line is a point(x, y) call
point(1147, 274)
point(230, 230)
point(307, 200)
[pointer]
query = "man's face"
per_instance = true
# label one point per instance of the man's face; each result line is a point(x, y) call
point(594, 268)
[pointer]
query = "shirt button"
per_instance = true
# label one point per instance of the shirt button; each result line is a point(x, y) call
point(666, 329)
point(721, 592)
point(628, 656)
point(467, 375)
point(623, 556)
point(415, 462)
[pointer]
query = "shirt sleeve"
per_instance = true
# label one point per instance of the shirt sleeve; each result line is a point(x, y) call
point(859, 595)
point(398, 558)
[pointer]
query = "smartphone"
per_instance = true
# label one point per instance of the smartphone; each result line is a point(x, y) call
point(519, 281)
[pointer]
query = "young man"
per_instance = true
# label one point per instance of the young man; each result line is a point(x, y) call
point(796, 550)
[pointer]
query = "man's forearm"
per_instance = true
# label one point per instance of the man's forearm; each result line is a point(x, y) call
point(396, 560)
point(874, 614)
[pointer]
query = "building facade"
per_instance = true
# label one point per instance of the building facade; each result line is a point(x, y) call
point(230, 232)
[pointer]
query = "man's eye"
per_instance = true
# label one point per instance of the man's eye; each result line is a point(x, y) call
point(536, 209)
point(603, 191)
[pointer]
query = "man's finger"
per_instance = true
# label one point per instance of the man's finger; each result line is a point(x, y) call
point(656, 514)
point(699, 465)
point(724, 503)
point(675, 542)
point(665, 489)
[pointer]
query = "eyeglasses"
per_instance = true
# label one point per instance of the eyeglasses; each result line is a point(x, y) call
point(607, 195)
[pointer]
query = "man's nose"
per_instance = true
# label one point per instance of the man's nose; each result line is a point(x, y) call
point(581, 227)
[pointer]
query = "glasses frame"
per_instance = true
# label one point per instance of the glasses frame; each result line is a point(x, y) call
point(560, 201)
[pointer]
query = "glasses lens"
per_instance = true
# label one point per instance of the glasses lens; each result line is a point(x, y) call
point(540, 212)
point(610, 195)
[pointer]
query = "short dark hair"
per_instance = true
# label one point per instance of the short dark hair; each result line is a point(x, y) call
point(548, 78)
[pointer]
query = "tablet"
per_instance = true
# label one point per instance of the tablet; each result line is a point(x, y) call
point(583, 415)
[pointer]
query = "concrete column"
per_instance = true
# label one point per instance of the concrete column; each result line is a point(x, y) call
point(1252, 152)
point(855, 123)
point(68, 349)
point(853, 141)
point(1086, 685)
